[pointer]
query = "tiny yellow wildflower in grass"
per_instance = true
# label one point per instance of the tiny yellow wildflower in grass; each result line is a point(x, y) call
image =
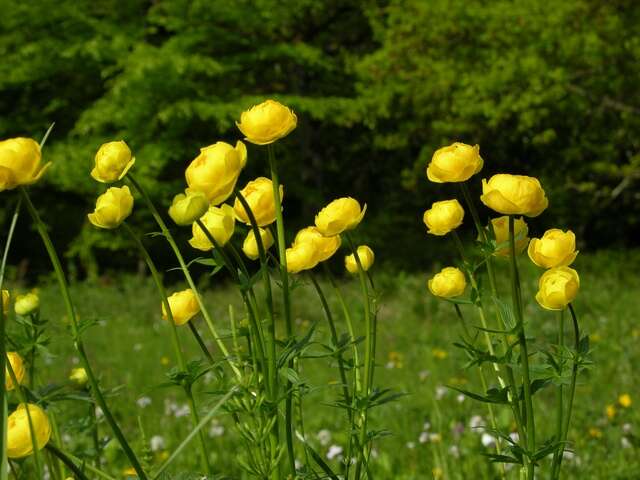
point(162, 456)
point(130, 472)
point(439, 354)
point(625, 400)
point(164, 361)
point(437, 473)
point(595, 432)
point(611, 411)
point(595, 337)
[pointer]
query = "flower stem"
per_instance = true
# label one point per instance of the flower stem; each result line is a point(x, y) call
point(66, 294)
point(560, 402)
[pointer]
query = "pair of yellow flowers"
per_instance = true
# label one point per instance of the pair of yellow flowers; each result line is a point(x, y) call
point(509, 195)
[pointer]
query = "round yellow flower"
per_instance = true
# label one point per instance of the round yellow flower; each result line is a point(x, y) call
point(19, 443)
point(112, 162)
point(301, 257)
point(443, 217)
point(20, 162)
point(500, 227)
point(340, 215)
point(216, 170)
point(456, 163)
point(6, 299)
point(184, 306)
point(250, 245)
point(366, 256)
point(557, 288)
point(79, 376)
point(625, 400)
point(27, 304)
point(555, 249)
point(112, 208)
point(324, 247)
point(259, 195)
point(514, 195)
point(448, 283)
point(220, 223)
point(17, 365)
point(188, 207)
point(267, 122)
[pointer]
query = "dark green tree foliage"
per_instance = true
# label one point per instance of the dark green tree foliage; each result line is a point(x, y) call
point(547, 88)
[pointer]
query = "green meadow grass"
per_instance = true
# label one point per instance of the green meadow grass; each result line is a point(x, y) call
point(430, 428)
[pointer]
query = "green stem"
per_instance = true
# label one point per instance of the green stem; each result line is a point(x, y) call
point(200, 342)
point(79, 474)
point(176, 341)
point(560, 400)
point(58, 452)
point(66, 294)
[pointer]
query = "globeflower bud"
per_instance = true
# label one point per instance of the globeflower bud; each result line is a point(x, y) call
point(20, 163)
point(448, 283)
point(557, 288)
point(366, 256)
point(112, 208)
point(216, 170)
point(17, 365)
point(112, 162)
point(6, 299)
point(300, 257)
point(19, 442)
point(27, 304)
point(555, 249)
point(514, 195)
point(456, 163)
point(188, 207)
point(267, 122)
point(500, 226)
point(324, 247)
point(184, 306)
point(259, 195)
point(220, 223)
point(250, 245)
point(340, 215)
point(79, 376)
point(443, 217)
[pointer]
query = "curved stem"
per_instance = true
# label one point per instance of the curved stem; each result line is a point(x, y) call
point(71, 313)
point(560, 399)
point(67, 461)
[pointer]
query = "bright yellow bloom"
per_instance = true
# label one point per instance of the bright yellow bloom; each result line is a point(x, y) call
point(557, 288)
point(340, 215)
point(366, 256)
point(267, 122)
point(79, 376)
point(216, 170)
point(301, 257)
point(6, 299)
point(324, 247)
point(500, 228)
point(129, 472)
point(112, 208)
point(514, 195)
point(220, 222)
point(27, 304)
point(17, 365)
point(595, 432)
point(443, 217)
point(439, 354)
point(456, 163)
point(19, 443)
point(625, 400)
point(250, 246)
point(555, 249)
point(112, 162)
point(611, 411)
point(20, 163)
point(448, 283)
point(188, 207)
point(259, 195)
point(184, 306)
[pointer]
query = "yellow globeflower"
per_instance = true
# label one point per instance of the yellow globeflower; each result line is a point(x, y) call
point(366, 256)
point(625, 400)
point(6, 299)
point(20, 162)
point(250, 246)
point(500, 227)
point(443, 217)
point(456, 163)
point(448, 283)
point(301, 257)
point(17, 365)
point(259, 195)
point(112, 208)
point(188, 207)
point(184, 306)
point(340, 215)
point(27, 304)
point(514, 195)
point(324, 247)
point(216, 170)
point(220, 222)
point(112, 162)
point(555, 249)
point(19, 443)
point(557, 288)
point(79, 376)
point(267, 122)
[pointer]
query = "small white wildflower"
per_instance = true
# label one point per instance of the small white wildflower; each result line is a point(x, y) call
point(487, 440)
point(454, 451)
point(182, 411)
point(625, 443)
point(626, 428)
point(335, 451)
point(423, 374)
point(476, 423)
point(324, 437)
point(440, 392)
point(157, 443)
point(424, 437)
point(426, 426)
point(298, 464)
point(411, 445)
point(143, 402)
point(99, 412)
point(514, 437)
point(460, 398)
point(75, 360)
point(216, 430)
point(374, 453)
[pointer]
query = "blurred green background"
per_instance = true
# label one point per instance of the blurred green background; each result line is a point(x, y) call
point(547, 88)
